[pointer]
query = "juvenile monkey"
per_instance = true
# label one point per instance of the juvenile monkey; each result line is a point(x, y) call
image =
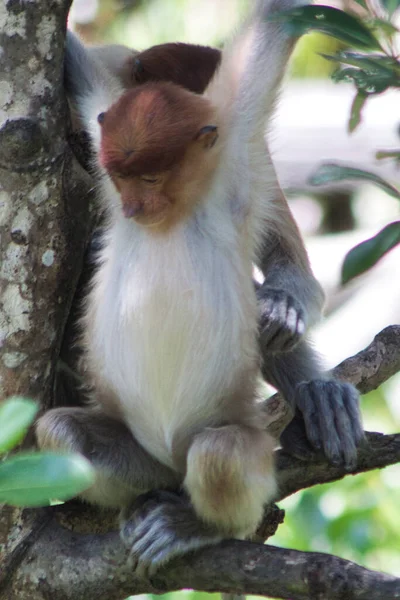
point(171, 324)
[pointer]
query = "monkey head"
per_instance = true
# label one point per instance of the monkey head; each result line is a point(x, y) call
point(156, 143)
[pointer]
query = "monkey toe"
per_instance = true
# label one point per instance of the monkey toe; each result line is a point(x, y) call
point(152, 544)
point(332, 419)
point(160, 526)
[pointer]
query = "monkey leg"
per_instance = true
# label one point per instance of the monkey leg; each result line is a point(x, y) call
point(123, 468)
point(327, 416)
point(157, 525)
point(230, 477)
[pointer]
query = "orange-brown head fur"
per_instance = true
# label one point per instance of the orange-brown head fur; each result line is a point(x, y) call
point(155, 146)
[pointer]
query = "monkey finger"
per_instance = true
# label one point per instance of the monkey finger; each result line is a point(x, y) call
point(352, 404)
point(282, 321)
point(305, 403)
point(342, 424)
point(269, 331)
point(281, 340)
point(294, 333)
point(282, 335)
point(330, 402)
point(315, 401)
point(152, 548)
point(347, 442)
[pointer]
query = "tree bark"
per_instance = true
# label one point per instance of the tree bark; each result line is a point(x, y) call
point(45, 216)
point(66, 566)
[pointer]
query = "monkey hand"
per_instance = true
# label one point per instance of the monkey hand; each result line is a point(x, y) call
point(160, 526)
point(282, 322)
point(327, 420)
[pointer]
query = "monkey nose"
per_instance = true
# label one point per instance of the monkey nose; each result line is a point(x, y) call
point(132, 209)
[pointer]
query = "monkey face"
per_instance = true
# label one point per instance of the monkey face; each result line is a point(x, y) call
point(155, 146)
point(143, 198)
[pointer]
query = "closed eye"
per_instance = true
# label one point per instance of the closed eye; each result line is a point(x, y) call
point(147, 179)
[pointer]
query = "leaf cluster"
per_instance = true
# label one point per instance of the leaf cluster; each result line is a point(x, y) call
point(371, 64)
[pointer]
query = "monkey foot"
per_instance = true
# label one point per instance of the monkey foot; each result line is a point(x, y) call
point(328, 421)
point(160, 526)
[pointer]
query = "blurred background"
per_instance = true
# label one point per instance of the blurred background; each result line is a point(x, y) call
point(357, 518)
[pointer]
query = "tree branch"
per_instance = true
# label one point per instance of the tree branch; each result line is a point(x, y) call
point(371, 367)
point(294, 475)
point(367, 370)
point(96, 566)
point(65, 566)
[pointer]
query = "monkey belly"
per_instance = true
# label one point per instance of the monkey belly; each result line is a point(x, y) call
point(175, 348)
point(175, 382)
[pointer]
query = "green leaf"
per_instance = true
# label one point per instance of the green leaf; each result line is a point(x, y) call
point(381, 154)
point(331, 21)
point(329, 172)
point(16, 414)
point(386, 27)
point(365, 255)
point(365, 82)
point(36, 478)
point(372, 64)
point(390, 5)
point(373, 74)
point(355, 112)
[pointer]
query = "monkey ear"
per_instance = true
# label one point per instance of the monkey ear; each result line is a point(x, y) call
point(207, 136)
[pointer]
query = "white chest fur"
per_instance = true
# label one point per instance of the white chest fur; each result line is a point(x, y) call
point(173, 321)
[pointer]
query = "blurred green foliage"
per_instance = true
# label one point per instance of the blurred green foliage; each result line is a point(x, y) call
point(35, 478)
point(372, 71)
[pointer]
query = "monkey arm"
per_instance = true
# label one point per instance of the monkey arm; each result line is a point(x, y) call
point(326, 413)
point(290, 298)
point(90, 86)
point(252, 68)
point(119, 60)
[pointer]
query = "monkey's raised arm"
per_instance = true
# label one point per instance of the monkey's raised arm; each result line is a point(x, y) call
point(118, 59)
point(90, 86)
point(252, 67)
